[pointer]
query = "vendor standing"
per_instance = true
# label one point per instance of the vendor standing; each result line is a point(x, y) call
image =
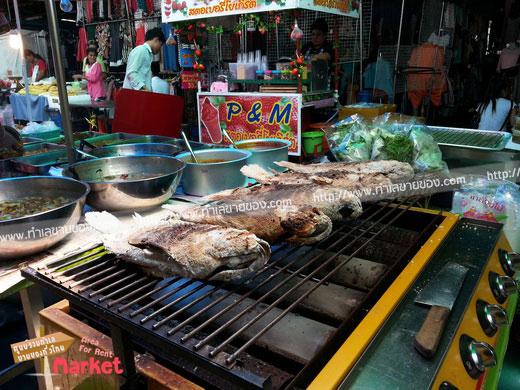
point(318, 48)
point(138, 70)
point(94, 76)
point(37, 66)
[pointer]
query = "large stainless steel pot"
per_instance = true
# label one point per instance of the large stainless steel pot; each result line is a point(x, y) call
point(137, 149)
point(265, 151)
point(34, 233)
point(114, 185)
point(207, 178)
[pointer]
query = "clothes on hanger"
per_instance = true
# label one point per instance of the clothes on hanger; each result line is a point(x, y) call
point(169, 51)
point(101, 9)
point(378, 75)
point(141, 4)
point(103, 39)
point(89, 10)
point(430, 79)
point(150, 7)
point(127, 45)
point(140, 28)
point(116, 43)
point(80, 12)
point(117, 9)
point(81, 51)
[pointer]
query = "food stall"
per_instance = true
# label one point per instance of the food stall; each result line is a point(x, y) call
point(276, 96)
point(313, 278)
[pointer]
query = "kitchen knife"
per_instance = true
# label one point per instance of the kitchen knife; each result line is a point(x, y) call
point(440, 293)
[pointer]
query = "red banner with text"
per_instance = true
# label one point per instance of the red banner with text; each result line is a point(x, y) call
point(250, 117)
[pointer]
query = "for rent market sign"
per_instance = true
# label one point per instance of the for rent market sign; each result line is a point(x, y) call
point(250, 117)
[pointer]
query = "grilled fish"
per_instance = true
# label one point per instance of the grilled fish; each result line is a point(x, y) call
point(172, 247)
point(353, 177)
point(294, 223)
point(332, 201)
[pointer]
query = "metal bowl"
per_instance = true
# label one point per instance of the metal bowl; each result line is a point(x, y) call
point(137, 149)
point(31, 234)
point(208, 178)
point(130, 182)
point(266, 151)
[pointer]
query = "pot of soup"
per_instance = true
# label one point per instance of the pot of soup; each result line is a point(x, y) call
point(266, 151)
point(216, 170)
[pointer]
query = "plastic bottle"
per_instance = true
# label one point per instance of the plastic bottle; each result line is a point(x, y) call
point(8, 116)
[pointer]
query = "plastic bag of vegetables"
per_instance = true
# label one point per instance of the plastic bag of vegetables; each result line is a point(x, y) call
point(350, 140)
point(392, 145)
point(427, 154)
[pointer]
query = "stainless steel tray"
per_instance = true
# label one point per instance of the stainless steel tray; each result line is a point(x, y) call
point(40, 148)
point(40, 164)
point(470, 138)
point(110, 139)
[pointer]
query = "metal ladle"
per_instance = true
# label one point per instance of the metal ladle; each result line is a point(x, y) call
point(189, 147)
point(229, 138)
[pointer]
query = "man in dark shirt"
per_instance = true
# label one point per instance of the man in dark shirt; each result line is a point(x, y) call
point(318, 48)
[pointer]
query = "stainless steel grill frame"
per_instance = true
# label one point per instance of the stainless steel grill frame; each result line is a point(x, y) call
point(470, 138)
point(160, 317)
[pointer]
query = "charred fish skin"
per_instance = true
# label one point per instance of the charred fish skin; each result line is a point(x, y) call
point(369, 181)
point(202, 251)
point(334, 202)
point(176, 248)
point(295, 224)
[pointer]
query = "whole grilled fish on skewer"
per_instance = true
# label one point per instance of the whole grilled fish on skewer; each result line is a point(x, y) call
point(347, 176)
point(172, 247)
point(298, 224)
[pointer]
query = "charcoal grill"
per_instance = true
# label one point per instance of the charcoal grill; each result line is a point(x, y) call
point(278, 328)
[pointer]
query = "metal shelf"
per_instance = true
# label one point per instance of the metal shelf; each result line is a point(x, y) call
point(268, 82)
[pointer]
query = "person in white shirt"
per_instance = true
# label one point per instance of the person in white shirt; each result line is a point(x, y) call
point(497, 108)
point(138, 74)
point(159, 85)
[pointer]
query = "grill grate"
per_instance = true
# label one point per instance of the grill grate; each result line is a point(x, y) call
point(290, 310)
point(488, 140)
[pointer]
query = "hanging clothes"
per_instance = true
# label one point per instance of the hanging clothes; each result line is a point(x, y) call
point(81, 51)
point(101, 9)
point(133, 6)
point(150, 7)
point(141, 4)
point(117, 9)
point(89, 10)
point(116, 43)
point(125, 33)
point(140, 29)
point(378, 75)
point(169, 51)
point(431, 81)
point(103, 39)
point(80, 12)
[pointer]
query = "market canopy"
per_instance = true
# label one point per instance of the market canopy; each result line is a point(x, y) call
point(179, 10)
